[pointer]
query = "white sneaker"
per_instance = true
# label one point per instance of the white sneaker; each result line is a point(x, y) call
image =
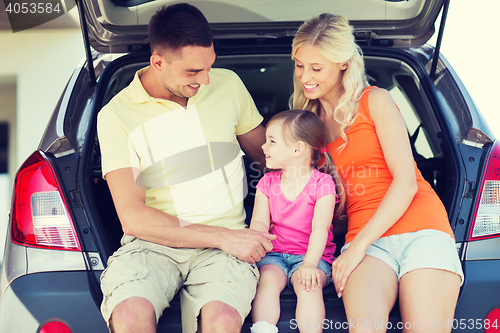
point(263, 327)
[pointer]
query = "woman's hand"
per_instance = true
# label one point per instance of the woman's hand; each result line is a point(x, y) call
point(309, 276)
point(344, 265)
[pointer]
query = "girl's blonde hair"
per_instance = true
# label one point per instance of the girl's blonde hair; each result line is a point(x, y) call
point(333, 38)
point(305, 126)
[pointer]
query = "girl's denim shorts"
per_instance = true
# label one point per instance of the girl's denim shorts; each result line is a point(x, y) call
point(289, 263)
point(414, 250)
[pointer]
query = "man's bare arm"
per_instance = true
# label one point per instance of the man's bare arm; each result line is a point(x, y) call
point(251, 143)
point(153, 225)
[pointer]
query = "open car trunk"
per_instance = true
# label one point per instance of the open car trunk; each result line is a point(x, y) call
point(268, 77)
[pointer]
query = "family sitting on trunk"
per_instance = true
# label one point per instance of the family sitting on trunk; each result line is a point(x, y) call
point(171, 154)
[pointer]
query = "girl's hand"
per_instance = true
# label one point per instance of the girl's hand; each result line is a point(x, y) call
point(309, 276)
point(343, 266)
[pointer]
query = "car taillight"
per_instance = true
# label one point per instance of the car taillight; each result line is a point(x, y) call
point(486, 220)
point(492, 322)
point(55, 326)
point(39, 215)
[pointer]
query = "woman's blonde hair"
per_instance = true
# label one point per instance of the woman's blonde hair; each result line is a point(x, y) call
point(305, 126)
point(333, 38)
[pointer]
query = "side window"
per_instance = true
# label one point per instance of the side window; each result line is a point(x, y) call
point(413, 122)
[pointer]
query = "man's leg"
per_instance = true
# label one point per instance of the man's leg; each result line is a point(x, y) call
point(217, 293)
point(217, 316)
point(135, 314)
point(137, 286)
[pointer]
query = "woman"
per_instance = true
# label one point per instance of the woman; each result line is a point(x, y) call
point(399, 241)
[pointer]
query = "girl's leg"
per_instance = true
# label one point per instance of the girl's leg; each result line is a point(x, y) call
point(266, 305)
point(427, 300)
point(310, 311)
point(369, 296)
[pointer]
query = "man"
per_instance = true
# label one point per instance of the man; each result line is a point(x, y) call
point(170, 146)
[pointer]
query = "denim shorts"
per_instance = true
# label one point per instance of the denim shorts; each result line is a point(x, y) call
point(289, 263)
point(414, 250)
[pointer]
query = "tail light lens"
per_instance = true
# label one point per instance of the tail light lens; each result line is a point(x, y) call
point(486, 222)
point(55, 326)
point(39, 215)
point(492, 322)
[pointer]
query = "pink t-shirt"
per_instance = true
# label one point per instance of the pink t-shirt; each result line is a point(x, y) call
point(293, 219)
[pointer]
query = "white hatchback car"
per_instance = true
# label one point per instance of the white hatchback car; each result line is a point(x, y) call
point(63, 226)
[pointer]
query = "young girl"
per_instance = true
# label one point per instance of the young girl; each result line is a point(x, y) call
point(298, 203)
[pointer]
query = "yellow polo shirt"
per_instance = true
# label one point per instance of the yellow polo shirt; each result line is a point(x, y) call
point(188, 160)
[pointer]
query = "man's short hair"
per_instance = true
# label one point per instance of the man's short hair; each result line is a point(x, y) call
point(179, 25)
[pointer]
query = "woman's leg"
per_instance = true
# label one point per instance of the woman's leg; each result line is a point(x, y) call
point(310, 311)
point(266, 305)
point(427, 300)
point(369, 296)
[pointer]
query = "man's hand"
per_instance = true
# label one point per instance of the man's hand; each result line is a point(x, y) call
point(247, 244)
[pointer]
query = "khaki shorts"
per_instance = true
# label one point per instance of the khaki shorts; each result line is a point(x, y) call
point(157, 273)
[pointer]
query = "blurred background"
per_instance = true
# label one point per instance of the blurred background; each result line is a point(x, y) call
point(36, 64)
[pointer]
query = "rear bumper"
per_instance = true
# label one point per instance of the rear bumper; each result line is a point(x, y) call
point(33, 299)
point(74, 297)
point(480, 295)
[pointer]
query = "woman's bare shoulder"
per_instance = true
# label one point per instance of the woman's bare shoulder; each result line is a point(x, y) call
point(380, 101)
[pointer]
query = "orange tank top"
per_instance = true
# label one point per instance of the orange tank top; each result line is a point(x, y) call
point(366, 177)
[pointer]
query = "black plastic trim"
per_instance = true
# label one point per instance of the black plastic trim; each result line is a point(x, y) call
point(87, 158)
point(86, 41)
point(446, 5)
